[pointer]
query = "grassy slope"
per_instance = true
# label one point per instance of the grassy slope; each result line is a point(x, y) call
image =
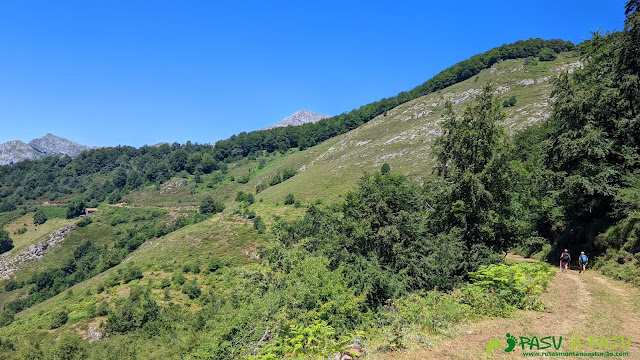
point(230, 238)
point(403, 138)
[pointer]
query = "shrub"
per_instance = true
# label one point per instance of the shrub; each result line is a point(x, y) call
point(210, 206)
point(6, 318)
point(547, 54)
point(58, 319)
point(131, 273)
point(103, 308)
point(509, 102)
point(165, 283)
point(84, 221)
point(70, 346)
point(215, 264)
point(191, 268)
point(259, 225)
point(260, 188)
point(75, 207)
point(192, 289)
point(40, 217)
point(289, 199)
point(385, 168)
point(6, 243)
point(13, 285)
point(288, 174)
point(178, 278)
point(277, 179)
point(244, 179)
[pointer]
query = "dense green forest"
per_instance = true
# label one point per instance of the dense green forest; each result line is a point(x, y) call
point(103, 174)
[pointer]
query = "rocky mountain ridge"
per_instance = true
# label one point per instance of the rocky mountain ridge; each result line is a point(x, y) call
point(299, 118)
point(12, 152)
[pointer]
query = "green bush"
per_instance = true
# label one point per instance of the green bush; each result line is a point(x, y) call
point(192, 289)
point(85, 221)
point(547, 54)
point(165, 283)
point(509, 102)
point(259, 225)
point(178, 278)
point(277, 179)
point(215, 264)
point(6, 243)
point(13, 285)
point(131, 272)
point(509, 287)
point(69, 347)
point(40, 217)
point(6, 318)
point(75, 207)
point(260, 188)
point(58, 319)
point(289, 199)
point(210, 206)
point(244, 179)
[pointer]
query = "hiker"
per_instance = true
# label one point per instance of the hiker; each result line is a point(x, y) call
point(565, 258)
point(582, 260)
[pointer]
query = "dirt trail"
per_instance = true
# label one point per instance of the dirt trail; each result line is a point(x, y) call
point(577, 305)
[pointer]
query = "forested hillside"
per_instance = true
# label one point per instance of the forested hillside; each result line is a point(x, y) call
point(245, 249)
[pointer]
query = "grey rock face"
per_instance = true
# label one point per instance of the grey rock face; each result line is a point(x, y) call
point(299, 118)
point(34, 252)
point(51, 144)
point(12, 152)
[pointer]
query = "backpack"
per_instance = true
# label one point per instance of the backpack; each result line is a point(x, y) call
point(565, 256)
point(583, 258)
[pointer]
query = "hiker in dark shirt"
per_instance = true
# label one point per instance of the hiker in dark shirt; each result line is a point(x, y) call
point(565, 258)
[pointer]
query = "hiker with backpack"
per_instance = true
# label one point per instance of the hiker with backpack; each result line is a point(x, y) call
point(582, 260)
point(565, 258)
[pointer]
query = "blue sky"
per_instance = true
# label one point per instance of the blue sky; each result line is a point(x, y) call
point(106, 73)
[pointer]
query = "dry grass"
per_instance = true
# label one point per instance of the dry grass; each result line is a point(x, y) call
point(581, 305)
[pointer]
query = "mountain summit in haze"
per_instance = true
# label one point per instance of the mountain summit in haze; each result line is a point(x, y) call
point(15, 151)
point(300, 118)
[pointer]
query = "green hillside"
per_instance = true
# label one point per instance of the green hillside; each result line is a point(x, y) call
point(404, 136)
point(290, 248)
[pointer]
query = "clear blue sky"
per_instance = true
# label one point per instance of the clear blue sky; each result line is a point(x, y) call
point(141, 72)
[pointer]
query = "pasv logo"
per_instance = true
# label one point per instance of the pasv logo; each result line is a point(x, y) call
point(532, 343)
point(553, 343)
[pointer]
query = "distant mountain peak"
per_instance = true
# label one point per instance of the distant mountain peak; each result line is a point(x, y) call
point(299, 118)
point(51, 144)
point(15, 151)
